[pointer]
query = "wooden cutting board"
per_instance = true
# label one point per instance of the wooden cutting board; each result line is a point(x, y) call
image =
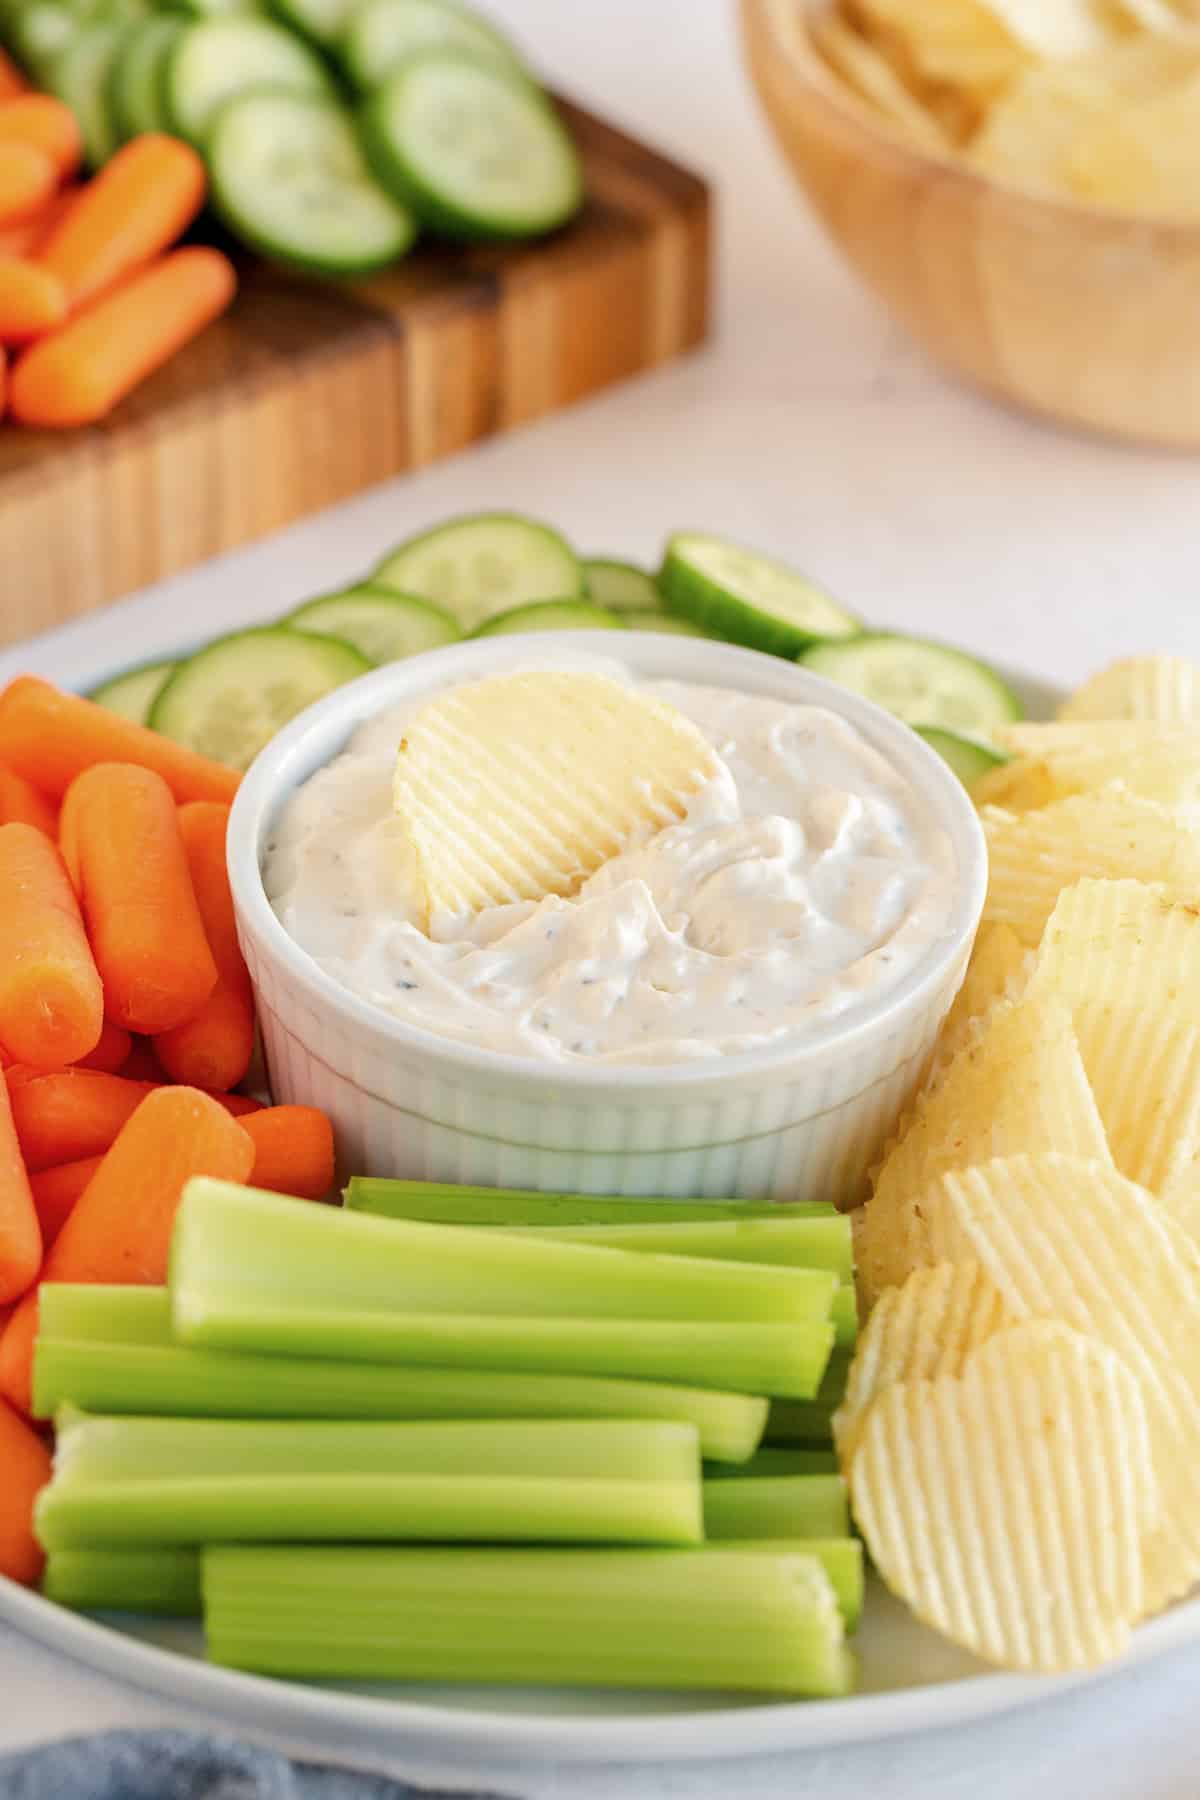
point(306, 392)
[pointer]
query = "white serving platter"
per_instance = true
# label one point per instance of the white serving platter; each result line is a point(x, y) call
point(911, 1680)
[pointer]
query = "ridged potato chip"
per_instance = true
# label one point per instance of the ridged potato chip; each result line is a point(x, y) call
point(1180, 1200)
point(1145, 158)
point(520, 786)
point(1113, 737)
point(1162, 688)
point(1021, 785)
point(918, 1332)
point(864, 67)
point(1082, 1245)
point(1008, 1505)
point(1000, 969)
point(1110, 834)
point(1021, 1087)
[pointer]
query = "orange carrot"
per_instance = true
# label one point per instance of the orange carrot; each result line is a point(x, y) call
point(51, 1000)
point(56, 1190)
point(3, 382)
point(49, 738)
point(25, 1460)
point(20, 1237)
point(60, 1118)
point(28, 236)
point(293, 1150)
point(142, 1064)
point(120, 1228)
point(44, 122)
point(144, 198)
point(12, 82)
point(212, 1050)
point(68, 837)
point(22, 804)
point(32, 300)
point(240, 1106)
point(142, 918)
point(111, 1053)
point(78, 374)
point(28, 177)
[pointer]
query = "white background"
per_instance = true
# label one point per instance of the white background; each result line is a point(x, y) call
point(812, 427)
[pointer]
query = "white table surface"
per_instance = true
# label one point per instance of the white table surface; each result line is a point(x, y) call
point(813, 427)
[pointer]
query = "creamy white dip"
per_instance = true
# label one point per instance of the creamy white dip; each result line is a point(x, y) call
point(807, 879)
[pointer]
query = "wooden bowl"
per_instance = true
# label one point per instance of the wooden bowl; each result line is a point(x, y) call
point(1087, 316)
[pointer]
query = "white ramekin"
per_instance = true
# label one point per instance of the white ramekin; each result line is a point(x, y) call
point(798, 1121)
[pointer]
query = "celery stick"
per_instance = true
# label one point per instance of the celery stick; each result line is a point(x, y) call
point(844, 1314)
point(778, 1460)
point(81, 1360)
point(757, 1620)
point(841, 1558)
point(246, 1247)
point(192, 1481)
point(783, 1241)
point(443, 1205)
point(795, 1419)
point(144, 1581)
point(777, 1506)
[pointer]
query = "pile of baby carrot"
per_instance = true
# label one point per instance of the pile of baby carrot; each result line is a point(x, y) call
point(92, 297)
point(126, 1022)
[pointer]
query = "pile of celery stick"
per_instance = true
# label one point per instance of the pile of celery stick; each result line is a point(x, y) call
point(457, 1434)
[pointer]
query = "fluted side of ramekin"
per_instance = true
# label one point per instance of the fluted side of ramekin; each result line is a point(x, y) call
point(793, 1122)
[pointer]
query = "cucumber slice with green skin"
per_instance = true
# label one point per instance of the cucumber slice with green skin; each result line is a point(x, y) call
point(80, 79)
point(289, 178)
point(40, 34)
point(552, 615)
point(135, 84)
point(747, 598)
point(383, 626)
point(920, 682)
point(219, 57)
point(621, 586)
point(483, 564)
point(969, 759)
point(321, 21)
point(134, 693)
point(661, 621)
point(379, 34)
point(231, 698)
point(474, 148)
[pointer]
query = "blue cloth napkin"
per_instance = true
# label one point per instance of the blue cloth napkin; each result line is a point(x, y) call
point(182, 1765)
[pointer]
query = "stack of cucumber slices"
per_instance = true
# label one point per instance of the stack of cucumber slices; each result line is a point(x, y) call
point(498, 573)
point(334, 130)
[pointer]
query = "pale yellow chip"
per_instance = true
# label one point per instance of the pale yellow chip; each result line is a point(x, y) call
point(1021, 1087)
point(1180, 1200)
point(521, 786)
point(1087, 737)
point(1086, 1247)
point(1000, 969)
point(864, 68)
point(1145, 158)
point(1008, 1506)
point(1111, 834)
point(917, 1332)
point(1021, 785)
point(1155, 762)
point(1165, 689)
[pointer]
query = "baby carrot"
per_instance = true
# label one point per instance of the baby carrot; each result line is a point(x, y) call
point(44, 122)
point(12, 82)
point(79, 373)
point(144, 198)
point(22, 804)
point(27, 237)
point(49, 738)
point(120, 1228)
point(142, 918)
point(32, 300)
point(293, 1150)
point(51, 1000)
point(25, 1460)
point(20, 1236)
point(142, 1064)
point(28, 177)
point(78, 1112)
point(111, 1053)
point(241, 1106)
point(56, 1190)
point(213, 1049)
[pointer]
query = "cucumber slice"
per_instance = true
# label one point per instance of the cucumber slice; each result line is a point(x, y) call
point(382, 626)
point(661, 621)
point(289, 178)
point(135, 84)
point(321, 21)
point(208, 9)
point(220, 57)
point(621, 586)
point(969, 759)
point(483, 564)
point(40, 34)
point(381, 33)
point(552, 615)
point(231, 698)
point(747, 598)
point(134, 693)
point(920, 682)
point(80, 78)
point(474, 148)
